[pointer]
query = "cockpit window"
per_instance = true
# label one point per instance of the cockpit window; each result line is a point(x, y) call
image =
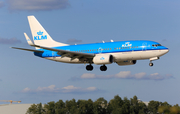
point(155, 45)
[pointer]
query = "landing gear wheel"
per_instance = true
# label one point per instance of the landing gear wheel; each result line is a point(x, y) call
point(103, 68)
point(89, 67)
point(151, 64)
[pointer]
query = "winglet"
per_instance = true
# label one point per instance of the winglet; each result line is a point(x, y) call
point(28, 40)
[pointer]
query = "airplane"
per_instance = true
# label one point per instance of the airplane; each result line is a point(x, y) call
point(120, 52)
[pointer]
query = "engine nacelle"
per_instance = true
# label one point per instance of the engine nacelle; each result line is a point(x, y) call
point(128, 62)
point(103, 59)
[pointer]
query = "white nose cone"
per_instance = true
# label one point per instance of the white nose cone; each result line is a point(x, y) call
point(164, 51)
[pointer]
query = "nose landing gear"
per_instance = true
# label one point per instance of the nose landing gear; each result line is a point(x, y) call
point(151, 64)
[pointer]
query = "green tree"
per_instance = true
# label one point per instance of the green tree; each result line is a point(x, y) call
point(32, 109)
point(126, 106)
point(100, 106)
point(71, 107)
point(36, 109)
point(90, 106)
point(60, 107)
point(153, 107)
point(175, 109)
point(134, 108)
point(85, 107)
point(142, 108)
point(50, 107)
point(115, 105)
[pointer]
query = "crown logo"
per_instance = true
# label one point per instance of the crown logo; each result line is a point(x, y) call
point(39, 33)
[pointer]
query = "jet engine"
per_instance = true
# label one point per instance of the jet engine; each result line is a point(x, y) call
point(128, 62)
point(103, 59)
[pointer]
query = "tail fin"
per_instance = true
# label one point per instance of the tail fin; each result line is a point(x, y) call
point(40, 36)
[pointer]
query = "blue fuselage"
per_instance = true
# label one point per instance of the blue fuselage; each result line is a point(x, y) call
point(109, 47)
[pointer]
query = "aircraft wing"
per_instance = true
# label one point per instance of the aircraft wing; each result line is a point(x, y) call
point(71, 54)
point(63, 53)
point(33, 50)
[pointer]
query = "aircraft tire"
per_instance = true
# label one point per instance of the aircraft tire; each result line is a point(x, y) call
point(151, 64)
point(89, 67)
point(103, 68)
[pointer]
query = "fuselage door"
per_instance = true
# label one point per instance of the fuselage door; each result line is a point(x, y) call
point(144, 46)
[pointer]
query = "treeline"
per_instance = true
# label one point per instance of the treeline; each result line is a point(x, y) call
point(102, 106)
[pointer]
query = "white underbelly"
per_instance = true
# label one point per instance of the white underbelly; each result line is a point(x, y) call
point(64, 59)
point(121, 56)
point(135, 55)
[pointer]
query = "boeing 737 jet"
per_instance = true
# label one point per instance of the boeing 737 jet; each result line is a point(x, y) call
point(121, 52)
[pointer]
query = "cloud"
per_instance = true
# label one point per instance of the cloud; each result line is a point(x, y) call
point(53, 89)
point(73, 41)
point(127, 75)
point(9, 41)
point(37, 5)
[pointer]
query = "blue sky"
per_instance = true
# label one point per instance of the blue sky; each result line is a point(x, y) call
point(33, 80)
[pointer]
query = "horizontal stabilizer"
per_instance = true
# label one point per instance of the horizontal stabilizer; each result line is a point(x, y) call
point(28, 40)
point(28, 49)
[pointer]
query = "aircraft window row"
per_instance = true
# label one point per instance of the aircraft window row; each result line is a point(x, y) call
point(93, 50)
point(155, 45)
point(125, 47)
point(106, 49)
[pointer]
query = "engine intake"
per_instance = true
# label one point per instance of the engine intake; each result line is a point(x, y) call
point(103, 59)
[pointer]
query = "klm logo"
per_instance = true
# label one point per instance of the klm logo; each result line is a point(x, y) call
point(127, 44)
point(40, 36)
point(102, 58)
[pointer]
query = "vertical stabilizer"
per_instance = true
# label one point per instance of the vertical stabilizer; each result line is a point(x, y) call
point(40, 36)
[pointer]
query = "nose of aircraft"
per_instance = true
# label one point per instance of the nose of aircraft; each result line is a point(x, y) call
point(166, 50)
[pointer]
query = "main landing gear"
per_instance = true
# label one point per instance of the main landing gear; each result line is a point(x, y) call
point(90, 68)
point(103, 68)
